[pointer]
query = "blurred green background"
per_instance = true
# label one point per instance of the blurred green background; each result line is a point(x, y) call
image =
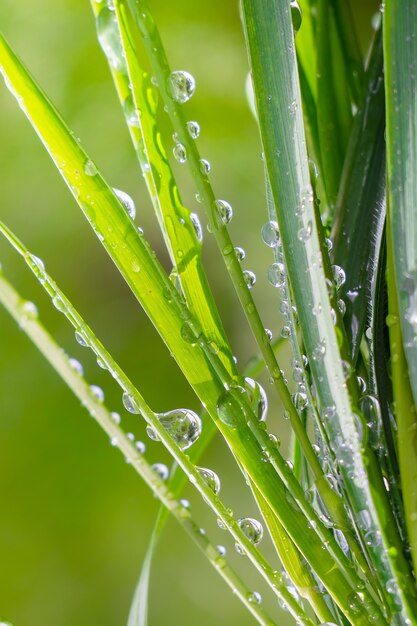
point(75, 520)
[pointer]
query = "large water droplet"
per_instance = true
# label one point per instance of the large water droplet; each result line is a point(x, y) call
point(252, 529)
point(97, 392)
point(339, 276)
point(270, 234)
point(179, 153)
point(109, 38)
point(90, 168)
point(195, 220)
point(130, 403)
point(161, 469)
point(193, 129)
point(182, 86)
point(228, 409)
point(224, 211)
point(276, 275)
point(127, 201)
point(240, 253)
point(183, 425)
point(300, 400)
point(257, 398)
point(250, 278)
point(210, 478)
point(76, 366)
point(296, 16)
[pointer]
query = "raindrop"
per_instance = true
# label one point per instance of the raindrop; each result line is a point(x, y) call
point(152, 433)
point(210, 478)
point(89, 168)
point(115, 417)
point(270, 234)
point(329, 412)
point(268, 334)
point(228, 409)
point(76, 366)
point(341, 306)
point(319, 351)
point(130, 403)
point(97, 392)
point(29, 310)
point(240, 253)
point(285, 332)
point(254, 597)
point(276, 275)
point(108, 36)
point(250, 278)
point(296, 16)
point(79, 338)
point(257, 398)
point(140, 447)
point(252, 529)
point(300, 400)
point(205, 166)
point(130, 111)
point(161, 469)
point(224, 211)
point(182, 86)
point(304, 233)
point(339, 276)
point(197, 226)
point(127, 201)
point(221, 550)
point(183, 425)
point(179, 153)
point(193, 129)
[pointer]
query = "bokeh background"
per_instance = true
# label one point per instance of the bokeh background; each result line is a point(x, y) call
point(75, 520)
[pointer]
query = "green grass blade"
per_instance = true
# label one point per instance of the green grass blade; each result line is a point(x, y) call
point(355, 73)
point(360, 212)
point(278, 103)
point(12, 301)
point(139, 97)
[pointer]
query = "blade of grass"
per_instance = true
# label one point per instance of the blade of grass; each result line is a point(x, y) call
point(351, 50)
point(270, 40)
point(12, 301)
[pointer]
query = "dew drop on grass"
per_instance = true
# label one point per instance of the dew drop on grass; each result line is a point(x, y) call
point(180, 153)
point(341, 306)
point(130, 111)
point(205, 167)
point(224, 211)
point(127, 201)
point(210, 478)
point(29, 310)
point(270, 234)
point(97, 392)
point(140, 447)
point(79, 338)
point(221, 550)
point(252, 529)
point(339, 276)
point(183, 425)
point(319, 351)
point(285, 332)
point(300, 400)
point(276, 275)
point(195, 220)
point(76, 366)
point(115, 417)
point(130, 404)
point(193, 129)
point(296, 16)
point(152, 433)
point(304, 233)
point(254, 597)
point(268, 334)
point(257, 397)
point(108, 36)
point(182, 86)
point(90, 168)
point(240, 253)
point(250, 278)
point(161, 469)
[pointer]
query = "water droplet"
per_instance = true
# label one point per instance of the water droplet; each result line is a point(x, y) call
point(193, 129)
point(140, 447)
point(240, 253)
point(304, 233)
point(108, 36)
point(329, 412)
point(97, 392)
point(224, 211)
point(183, 425)
point(197, 226)
point(182, 86)
point(228, 409)
point(257, 398)
point(268, 334)
point(270, 234)
point(276, 275)
point(130, 403)
point(29, 310)
point(127, 201)
point(319, 351)
point(296, 16)
point(221, 550)
point(114, 441)
point(130, 111)
point(210, 478)
point(179, 153)
point(161, 469)
point(250, 278)
point(152, 433)
point(252, 529)
point(76, 366)
point(254, 597)
point(115, 417)
point(361, 384)
point(285, 332)
point(80, 338)
point(300, 400)
point(339, 276)
point(90, 168)
point(341, 306)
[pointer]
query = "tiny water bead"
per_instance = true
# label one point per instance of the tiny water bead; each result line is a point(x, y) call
point(97, 392)
point(127, 201)
point(339, 276)
point(285, 332)
point(76, 366)
point(257, 398)
point(252, 529)
point(180, 153)
point(195, 220)
point(29, 310)
point(250, 278)
point(161, 469)
point(210, 478)
point(205, 167)
point(115, 417)
point(304, 233)
point(140, 447)
point(182, 86)
point(130, 403)
point(80, 339)
point(276, 275)
point(221, 550)
point(193, 129)
point(224, 211)
point(270, 234)
point(319, 351)
point(254, 597)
